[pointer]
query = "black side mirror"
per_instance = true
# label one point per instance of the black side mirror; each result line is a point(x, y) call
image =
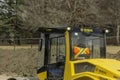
point(40, 44)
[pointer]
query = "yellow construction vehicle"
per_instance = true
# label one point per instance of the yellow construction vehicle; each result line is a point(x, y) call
point(77, 53)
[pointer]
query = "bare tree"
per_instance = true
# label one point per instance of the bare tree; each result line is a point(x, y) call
point(50, 13)
point(47, 13)
point(110, 14)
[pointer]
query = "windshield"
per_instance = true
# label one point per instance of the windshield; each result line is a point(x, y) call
point(86, 46)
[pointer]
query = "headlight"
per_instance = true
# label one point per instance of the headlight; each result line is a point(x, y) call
point(106, 31)
point(68, 28)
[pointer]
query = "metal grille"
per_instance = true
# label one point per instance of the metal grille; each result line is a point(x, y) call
point(84, 67)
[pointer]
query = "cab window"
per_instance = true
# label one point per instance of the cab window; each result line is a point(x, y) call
point(83, 44)
point(57, 48)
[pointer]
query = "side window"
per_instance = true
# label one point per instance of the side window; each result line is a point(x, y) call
point(41, 53)
point(83, 67)
point(57, 49)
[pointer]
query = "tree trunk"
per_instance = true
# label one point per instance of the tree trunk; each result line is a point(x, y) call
point(118, 35)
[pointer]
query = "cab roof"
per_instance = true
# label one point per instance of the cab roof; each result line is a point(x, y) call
point(63, 29)
point(52, 30)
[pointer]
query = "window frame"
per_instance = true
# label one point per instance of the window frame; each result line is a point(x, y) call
point(57, 47)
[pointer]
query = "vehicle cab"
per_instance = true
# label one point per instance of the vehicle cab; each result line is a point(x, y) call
point(65, 52)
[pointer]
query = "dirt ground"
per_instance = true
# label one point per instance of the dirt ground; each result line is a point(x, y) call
point(112, 49)
point(113, 52)
point(23, 61)
point(4, 77)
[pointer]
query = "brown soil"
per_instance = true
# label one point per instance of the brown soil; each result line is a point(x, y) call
point(23, 62)
point(113, 49)
point(113, 52)
point(114, 56)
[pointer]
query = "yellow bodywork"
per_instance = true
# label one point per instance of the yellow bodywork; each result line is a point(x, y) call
point(105, 69)
point(42, 75)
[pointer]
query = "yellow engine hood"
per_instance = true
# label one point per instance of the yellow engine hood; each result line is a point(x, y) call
point(103, 67)
point(109, 64)
point(111, 67)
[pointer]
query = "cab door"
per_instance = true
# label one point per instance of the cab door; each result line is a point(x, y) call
point(52, 66)
point(56, 63)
